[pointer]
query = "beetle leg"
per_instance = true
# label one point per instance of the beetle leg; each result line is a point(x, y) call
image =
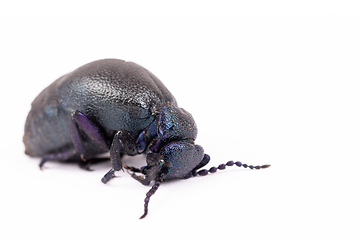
point(139, 178)
point(146, 136)
point(133, 169)
point(109, 175)
point(80, 122)
point(61, 156)
point(86, 165)
point(123, 143)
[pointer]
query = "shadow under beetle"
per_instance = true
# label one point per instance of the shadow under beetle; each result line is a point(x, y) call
point(121, 107)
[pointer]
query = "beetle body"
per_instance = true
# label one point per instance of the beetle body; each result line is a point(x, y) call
point(118, 107)
point(112, 94)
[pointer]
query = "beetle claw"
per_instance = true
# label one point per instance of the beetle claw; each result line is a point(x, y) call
point(85, 166)
point(133, 169)
point(83, 157)
point(139, 178)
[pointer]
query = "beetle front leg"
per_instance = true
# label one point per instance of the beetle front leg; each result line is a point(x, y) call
point(143, 180)
point(123, 143)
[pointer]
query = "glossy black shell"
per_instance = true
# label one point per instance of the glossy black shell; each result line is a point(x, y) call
point(112, 93)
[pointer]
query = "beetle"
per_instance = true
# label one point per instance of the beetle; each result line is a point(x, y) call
point(119, 107)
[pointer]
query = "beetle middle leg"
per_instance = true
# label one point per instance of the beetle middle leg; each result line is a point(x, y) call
point(155, 166)
point(143, 180)
point(89, 162)
point(80, 122)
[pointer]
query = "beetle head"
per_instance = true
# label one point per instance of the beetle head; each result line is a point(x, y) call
point(177, 159)
point(183, 156)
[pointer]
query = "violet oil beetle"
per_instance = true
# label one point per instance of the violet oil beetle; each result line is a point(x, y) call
point(118, 107)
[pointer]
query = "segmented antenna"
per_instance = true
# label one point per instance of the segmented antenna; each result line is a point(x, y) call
point(152, 191)
point(204, 172)
point(161, 177)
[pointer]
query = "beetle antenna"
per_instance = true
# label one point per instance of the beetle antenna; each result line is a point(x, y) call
point(204, 172)
point(152, 191)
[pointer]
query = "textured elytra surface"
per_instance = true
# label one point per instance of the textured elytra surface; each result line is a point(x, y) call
point(113, 94)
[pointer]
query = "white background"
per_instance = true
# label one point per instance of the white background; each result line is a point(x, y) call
point(268, 82)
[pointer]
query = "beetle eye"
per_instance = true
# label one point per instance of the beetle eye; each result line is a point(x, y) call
point(168, 164)
point(165, 164)
point(153, 158)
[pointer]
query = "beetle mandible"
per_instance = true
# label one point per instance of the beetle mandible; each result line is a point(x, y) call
point(119, 107)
